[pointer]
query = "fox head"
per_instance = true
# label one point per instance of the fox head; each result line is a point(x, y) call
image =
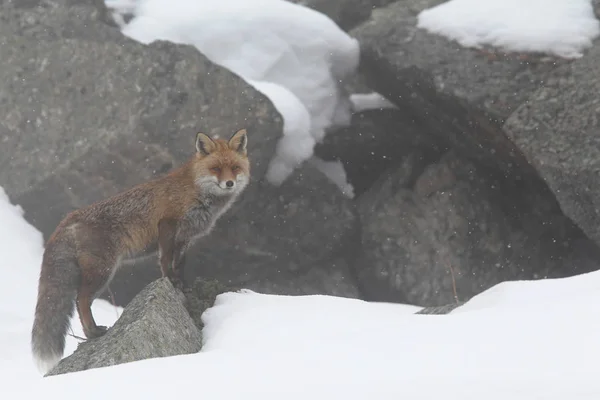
point(222, 166)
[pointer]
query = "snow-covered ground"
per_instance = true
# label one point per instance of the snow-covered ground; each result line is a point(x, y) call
point(560, 27)
point(518, 340)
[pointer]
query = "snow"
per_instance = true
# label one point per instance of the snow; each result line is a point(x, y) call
point(294, 55)
point(295, 146)
point(517, 340)
point(560, 27)
point(370, 101)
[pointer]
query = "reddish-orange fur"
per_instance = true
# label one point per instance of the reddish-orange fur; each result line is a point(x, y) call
point(170, 212)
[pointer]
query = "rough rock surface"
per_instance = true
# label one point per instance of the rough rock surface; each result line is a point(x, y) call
point(558, 130)
point(201, 295)
point(346, 13)
point(86, 112)
point(456, 220)
point(375, 141)
point(156, 323)
point(281, 243)
point(463, 96)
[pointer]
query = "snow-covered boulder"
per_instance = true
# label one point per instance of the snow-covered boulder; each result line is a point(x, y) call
point(294, 55)
point(492, 204)
point(121, 111)
point(462, 95)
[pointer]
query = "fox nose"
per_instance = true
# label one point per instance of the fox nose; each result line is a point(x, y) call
point(229, 184)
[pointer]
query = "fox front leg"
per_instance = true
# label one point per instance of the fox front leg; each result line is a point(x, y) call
point(167, 230)
point(177, 266)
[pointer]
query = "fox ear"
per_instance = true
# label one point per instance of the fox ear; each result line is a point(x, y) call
point(238, 141)
point(204, 144)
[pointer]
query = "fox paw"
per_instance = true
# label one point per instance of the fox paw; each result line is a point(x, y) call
point(176, 282)
point(96, 332)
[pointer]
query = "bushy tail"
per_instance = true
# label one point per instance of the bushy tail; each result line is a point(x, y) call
point(59, 280)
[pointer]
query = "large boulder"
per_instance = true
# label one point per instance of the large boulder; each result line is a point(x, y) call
point(86, 112)
point(462, 96)
point(155, 324)
point(558, 130)
point(447, 231)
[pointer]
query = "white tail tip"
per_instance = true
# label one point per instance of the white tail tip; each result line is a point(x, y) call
point(45, 363)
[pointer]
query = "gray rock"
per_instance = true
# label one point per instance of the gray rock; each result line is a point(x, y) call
point(201, 295)
point(457, 222)
point(155, 324)
point(558, 130)
point(272, 244)
point(440, 310)
point(346, 13)
point(462, 96)
point(375, 141)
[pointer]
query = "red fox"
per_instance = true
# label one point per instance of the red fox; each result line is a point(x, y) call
point(89, 244)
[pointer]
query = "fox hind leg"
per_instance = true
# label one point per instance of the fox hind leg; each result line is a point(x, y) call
point(95, 274)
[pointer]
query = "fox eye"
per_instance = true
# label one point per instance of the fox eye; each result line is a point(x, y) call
point(235, 168)
point(216, 170)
